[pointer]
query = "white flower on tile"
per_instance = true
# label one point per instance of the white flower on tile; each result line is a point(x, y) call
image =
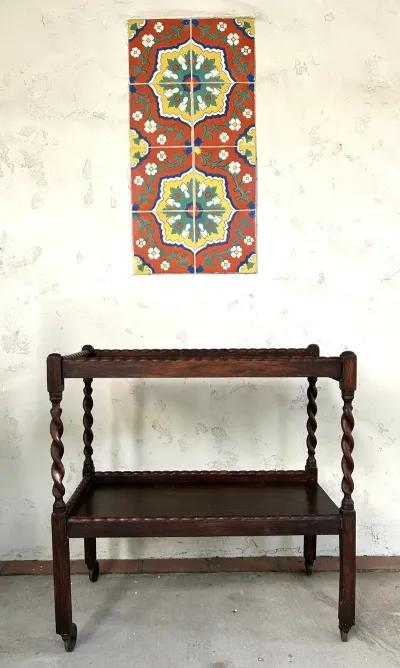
point(233, 39)
point(161, 155)
point(225, 264)
point(138, 180)
point(245, 50)
point(221, 26)
point(224, 137)
point(247, 113)
point(164, 265)
point(151, 168)
point(247, 178)
point(212, 74)
point(153, 253)
point(173, 219)
point(182, 62)
point(148, 40)
point(213, 202)
point(141, 242)
point(137, 115)
point(173, 202)
point(223, 154)
point(161, 139)
point(168, 74)
point(236, 251)
point(184, 188)
point(234, 167)
point(248, 240)
point(187, 231)
point(213, 91)
point(150, 126)
point(201, 104)
point(235, 123)
point(183, 105)
point(135, 52)
point(202, 230)
point(169, 92)
point(199, 61)
point(158, 27)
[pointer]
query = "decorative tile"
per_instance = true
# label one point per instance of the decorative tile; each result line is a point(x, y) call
point(236, 253)
point(163, 245)
point(154, 42)
point(230, 116)
point(160, 177)
point(192, 138)
point(233, 168)
point(162, 117)
point(233, 38)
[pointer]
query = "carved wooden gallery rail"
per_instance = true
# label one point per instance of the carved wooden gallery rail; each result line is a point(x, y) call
point(199, 503)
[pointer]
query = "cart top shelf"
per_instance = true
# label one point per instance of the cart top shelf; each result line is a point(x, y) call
point(212, 363)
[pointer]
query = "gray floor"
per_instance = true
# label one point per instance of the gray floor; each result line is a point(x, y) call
point(214, 621)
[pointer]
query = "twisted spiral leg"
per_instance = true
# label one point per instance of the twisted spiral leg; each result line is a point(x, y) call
point(57, 451)
point(88, 466)
point(311, 423)
point(347, 443)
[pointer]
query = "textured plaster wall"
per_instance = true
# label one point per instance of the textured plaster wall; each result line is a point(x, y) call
point(328, 96)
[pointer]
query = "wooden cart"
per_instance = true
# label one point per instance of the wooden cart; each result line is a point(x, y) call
point(199, 503)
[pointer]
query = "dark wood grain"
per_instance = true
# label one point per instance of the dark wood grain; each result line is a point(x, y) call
point(196, 499)
point(219, 366)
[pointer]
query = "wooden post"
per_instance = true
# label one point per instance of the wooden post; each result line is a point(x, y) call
point(61, 564)
point(55, 386)
point(347, 540)
point(88, 465)
point(310, 542)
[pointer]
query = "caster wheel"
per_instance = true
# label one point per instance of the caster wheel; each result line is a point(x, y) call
point(309, 569)
point(70, 639)
point(94, 572)
point(343, 635)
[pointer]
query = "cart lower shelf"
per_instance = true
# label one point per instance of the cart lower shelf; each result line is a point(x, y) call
point(193, 503)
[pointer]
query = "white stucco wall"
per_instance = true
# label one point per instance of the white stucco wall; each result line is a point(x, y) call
point(328, 96)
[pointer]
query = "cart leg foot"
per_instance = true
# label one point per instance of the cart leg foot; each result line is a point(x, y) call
point(310, 553)
point(94, 572)
point(62, 582)
point(70, 639)
point(90, 559)
point(347, 582)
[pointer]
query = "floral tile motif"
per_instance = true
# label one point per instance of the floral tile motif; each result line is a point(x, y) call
point(154, 247)
point(162, 119)
point(152, 42)
point(192, 139)
point(160, 177)
point(233, 118)
point(234, 167)
point(235, 254)
point(235, 38)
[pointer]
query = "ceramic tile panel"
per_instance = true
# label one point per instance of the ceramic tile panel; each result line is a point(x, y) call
point(192, 141)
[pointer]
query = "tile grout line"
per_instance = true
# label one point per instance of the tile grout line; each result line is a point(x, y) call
point(179, 83)
point(192, 147)
point(139, 211)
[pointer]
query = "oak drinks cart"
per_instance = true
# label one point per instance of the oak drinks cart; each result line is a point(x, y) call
point(199, 503)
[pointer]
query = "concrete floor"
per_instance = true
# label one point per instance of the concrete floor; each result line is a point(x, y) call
point(212, 621)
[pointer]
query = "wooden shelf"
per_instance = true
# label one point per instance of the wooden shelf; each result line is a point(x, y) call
point(193, 503)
